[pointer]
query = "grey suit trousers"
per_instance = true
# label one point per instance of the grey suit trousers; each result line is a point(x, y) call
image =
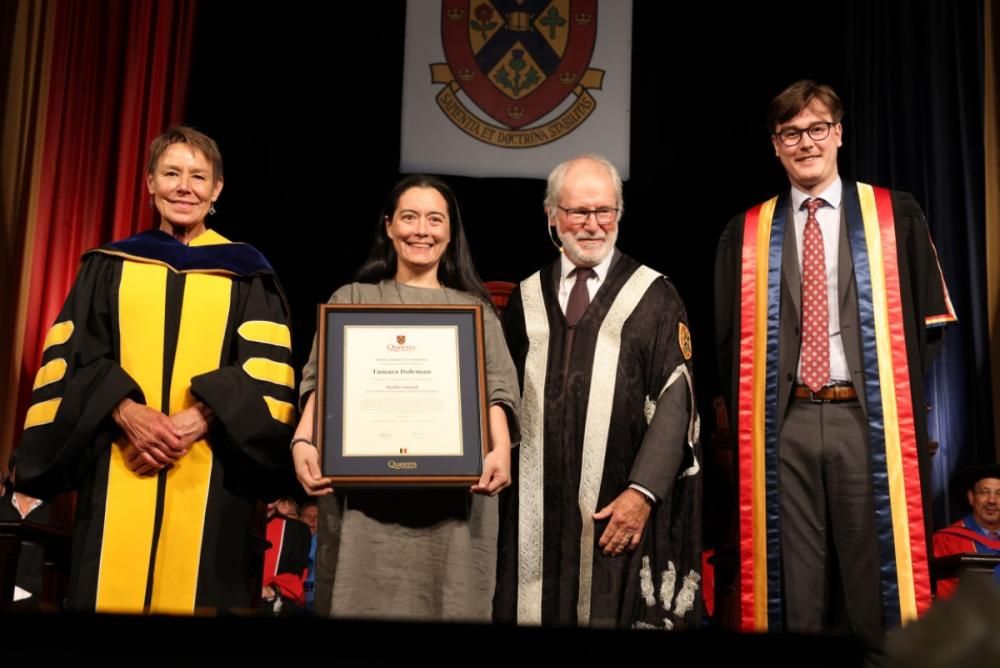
point(826, 502)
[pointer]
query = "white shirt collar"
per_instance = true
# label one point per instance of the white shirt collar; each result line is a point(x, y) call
point(832, 195)
point(566, 265)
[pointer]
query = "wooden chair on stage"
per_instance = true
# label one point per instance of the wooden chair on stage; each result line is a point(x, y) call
point(500, 292)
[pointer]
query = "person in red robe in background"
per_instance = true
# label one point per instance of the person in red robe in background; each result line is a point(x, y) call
point(979, 531)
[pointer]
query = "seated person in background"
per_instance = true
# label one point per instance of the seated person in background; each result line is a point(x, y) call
point(979, 531)
point(310, 515)
point(284, 505)
point(285, 562)
point(17, 506)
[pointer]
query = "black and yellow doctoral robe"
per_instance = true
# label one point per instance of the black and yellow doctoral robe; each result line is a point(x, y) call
point(623, 412)
point(167, 325)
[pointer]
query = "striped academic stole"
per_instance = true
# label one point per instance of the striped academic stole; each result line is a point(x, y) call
point(899, 517)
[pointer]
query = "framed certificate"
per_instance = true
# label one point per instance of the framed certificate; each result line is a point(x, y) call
point(401, 394)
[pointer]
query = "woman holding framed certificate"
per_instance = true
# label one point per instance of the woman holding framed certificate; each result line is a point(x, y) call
point(403, 551)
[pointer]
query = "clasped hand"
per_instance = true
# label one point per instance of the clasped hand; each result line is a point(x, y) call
point(155, 440)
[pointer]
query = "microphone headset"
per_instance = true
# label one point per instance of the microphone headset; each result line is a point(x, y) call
point(554, 239)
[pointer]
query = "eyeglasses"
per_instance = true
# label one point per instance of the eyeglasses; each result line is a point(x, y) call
point(816, 131)
point(605, 215)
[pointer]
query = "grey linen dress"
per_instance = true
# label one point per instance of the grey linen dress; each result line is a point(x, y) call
point(412, 554)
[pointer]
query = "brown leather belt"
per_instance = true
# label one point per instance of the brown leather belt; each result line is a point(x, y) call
point(827, 395)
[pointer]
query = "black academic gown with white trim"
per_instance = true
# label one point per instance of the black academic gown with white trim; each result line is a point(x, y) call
point(658, 455)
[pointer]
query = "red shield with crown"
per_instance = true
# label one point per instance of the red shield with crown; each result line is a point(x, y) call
point(518, 60)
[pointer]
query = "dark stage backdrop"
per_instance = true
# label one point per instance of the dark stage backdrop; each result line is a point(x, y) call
point(305, 102)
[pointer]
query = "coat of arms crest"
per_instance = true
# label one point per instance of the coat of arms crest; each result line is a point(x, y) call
point(517, 62)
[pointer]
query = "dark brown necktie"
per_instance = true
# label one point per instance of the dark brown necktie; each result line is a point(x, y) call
point(579, 297)
point(576, 306)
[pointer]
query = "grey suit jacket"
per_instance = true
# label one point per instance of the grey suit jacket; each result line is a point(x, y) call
point(789, 329)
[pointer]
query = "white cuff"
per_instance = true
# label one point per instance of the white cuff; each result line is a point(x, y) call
point(645, 492)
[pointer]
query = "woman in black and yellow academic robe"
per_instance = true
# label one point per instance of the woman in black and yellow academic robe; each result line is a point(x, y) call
point(165, 399)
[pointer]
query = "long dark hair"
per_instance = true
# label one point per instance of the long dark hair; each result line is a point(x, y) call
point(455, 270)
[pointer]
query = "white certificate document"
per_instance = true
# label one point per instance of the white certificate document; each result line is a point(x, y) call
point(402, 392)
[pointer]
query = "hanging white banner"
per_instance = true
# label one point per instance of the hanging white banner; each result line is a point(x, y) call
point(512, 87)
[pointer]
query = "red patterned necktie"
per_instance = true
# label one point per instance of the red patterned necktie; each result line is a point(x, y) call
point(815, 310)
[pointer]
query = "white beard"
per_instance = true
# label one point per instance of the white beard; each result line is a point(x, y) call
point(581, 257)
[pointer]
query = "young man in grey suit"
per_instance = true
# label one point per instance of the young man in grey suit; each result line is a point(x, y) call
point(829, 302)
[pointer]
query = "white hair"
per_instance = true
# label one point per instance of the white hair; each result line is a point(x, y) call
point(557, 178)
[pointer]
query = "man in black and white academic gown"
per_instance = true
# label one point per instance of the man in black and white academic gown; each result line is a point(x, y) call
point(602, 526)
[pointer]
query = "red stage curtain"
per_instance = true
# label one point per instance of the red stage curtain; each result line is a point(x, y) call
point(105, 78)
